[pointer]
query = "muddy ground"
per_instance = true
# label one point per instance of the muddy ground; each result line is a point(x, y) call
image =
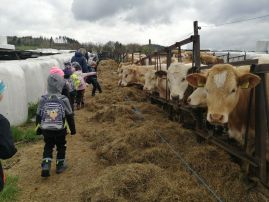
point(118, 155)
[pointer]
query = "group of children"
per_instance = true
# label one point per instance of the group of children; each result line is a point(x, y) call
point(55, 114)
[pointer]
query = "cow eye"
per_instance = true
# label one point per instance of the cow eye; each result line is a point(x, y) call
point(233, 91)
point(126, 75)
point(183, 79)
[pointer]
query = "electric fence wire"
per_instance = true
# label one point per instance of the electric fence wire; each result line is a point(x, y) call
point(190, 169)
point(234, 22)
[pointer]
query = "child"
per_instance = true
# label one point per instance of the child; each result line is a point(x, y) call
point(7, 147)
point(52, 112)
point(57, 70)
point(93, 79)
point(71, 83)
point(82, 86)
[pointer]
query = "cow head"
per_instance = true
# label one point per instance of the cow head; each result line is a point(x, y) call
point(198, 97)
point(150, 81)
point(128, 76)
point(177, 82)
point(223, 85)
point(161, 80)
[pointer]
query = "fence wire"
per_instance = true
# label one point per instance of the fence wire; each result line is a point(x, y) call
point(190, 169)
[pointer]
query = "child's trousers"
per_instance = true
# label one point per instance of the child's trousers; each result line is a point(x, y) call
point(50, 142)
point(80, 97)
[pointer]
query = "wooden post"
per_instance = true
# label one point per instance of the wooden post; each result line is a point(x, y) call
point(132, 57)
point(179, 54)
point(149, 53)
point(168, 58)
point(196, 46)
point(228, 57)
point(157, 58)
point(245, 56)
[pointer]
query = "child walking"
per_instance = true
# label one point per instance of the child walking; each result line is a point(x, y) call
point(82, 85)
point(53, 112)
point(70, 83)
point(93, 79)
point(7, 147)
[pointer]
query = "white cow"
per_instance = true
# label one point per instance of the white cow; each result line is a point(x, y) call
point(177, 82)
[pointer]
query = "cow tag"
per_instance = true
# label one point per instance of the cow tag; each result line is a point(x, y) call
point(244, 85)
point(200, 83)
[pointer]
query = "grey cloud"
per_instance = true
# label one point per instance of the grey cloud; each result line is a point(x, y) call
point(139, 11)
point(218, 12)
point(237, 36)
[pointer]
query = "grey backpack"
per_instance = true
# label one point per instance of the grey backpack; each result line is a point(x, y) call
point(52, 113)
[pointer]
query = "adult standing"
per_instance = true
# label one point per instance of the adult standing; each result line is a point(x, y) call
point(79, 57)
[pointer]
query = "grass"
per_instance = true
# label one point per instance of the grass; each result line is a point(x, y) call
point(11, 190)
point(26, 132)
point(32, 107)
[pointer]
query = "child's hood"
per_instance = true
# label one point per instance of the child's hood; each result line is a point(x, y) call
point(55, 84)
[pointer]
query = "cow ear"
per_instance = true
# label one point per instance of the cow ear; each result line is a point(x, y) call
point(248, 81)
point(160, 73)
point(196, 80)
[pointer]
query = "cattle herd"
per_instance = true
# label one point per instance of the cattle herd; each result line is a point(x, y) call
point(223, 89)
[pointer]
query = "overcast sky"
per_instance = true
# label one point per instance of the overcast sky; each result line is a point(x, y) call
point(135, 21)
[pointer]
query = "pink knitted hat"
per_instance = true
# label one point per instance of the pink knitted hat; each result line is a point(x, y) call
point(57, 70)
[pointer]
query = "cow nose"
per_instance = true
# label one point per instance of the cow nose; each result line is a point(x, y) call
point(175, 98)
point(216, 117)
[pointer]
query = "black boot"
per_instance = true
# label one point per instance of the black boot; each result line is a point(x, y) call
point(46, 164)
point(60, 166)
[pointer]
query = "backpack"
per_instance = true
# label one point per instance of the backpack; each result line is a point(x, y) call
point(52, 113)
point(76, 80)
point(71, 84)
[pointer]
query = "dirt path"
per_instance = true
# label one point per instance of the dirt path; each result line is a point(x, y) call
point(117, 156)
point(65, 187)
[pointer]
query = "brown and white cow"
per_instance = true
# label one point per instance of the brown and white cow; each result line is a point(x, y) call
point(208, 59)
point(133, 74)
point(227, 94)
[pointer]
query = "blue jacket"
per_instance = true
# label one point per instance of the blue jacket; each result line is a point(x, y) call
point(78, 57)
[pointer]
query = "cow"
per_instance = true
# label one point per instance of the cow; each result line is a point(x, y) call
point(197, 98)
point(177, 82)
point(134, 74)
point(209, 59)
point(156, 81)
point(227, 95)
point(150, 82)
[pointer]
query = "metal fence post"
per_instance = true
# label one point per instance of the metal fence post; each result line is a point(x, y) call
point(261, 130)
point(196, 46)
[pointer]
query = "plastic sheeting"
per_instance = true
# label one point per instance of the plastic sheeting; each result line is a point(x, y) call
point(26, 82)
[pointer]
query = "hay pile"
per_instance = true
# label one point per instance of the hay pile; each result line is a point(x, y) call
point(123, 130)
point(138, 182)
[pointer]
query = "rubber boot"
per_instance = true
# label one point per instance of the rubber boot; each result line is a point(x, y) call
point(46, 164)
point(60, 166)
